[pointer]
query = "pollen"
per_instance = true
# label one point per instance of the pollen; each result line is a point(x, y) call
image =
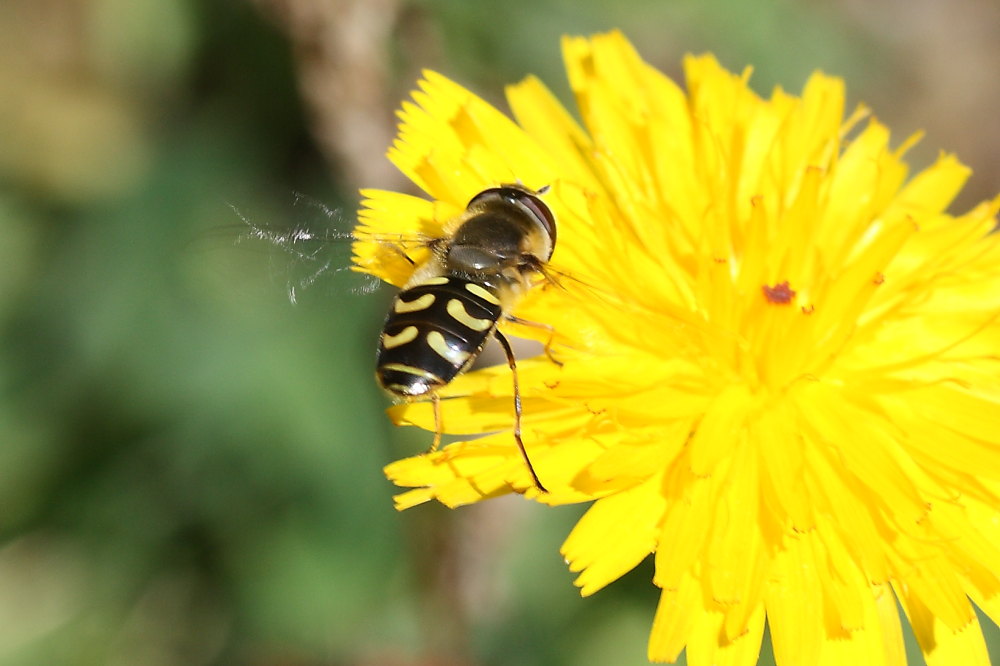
point(780, 294)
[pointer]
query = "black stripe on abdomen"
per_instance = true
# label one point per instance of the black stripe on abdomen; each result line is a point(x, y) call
point(433, 332)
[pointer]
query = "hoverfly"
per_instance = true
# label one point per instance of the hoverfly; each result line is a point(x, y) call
point(443, 317)
point(441, 320)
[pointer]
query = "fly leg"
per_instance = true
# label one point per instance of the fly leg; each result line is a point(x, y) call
point(436, 402)
point(517, 409)
point(545, 327)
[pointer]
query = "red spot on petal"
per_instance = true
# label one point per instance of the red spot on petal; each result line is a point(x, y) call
point(879, 279)
point(780, 294)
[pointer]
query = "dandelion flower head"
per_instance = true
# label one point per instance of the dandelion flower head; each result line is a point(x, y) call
point(778, 356)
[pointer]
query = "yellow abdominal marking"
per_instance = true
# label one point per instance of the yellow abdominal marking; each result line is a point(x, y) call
point(408, 334)
point(413, 370)
point(460, 314)
point(454, 356)
point(482, 293)
point(421, 303)
point(440, 279)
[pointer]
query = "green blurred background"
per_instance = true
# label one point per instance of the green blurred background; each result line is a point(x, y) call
point(190, 468)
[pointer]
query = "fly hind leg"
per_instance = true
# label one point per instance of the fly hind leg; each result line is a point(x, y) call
point(517, 409)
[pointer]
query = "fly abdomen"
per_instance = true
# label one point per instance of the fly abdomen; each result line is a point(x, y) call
point(433, 332)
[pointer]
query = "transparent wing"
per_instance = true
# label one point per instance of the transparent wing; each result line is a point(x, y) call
point(313, 250)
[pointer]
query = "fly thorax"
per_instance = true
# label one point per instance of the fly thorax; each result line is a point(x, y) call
point(476, 260)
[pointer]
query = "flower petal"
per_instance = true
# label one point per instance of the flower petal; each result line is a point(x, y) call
point(453, 144)
point(794, 611)
point(543, 117)
point(614, 536)
point(943, 645)
point(674, 620)
point(877, 642)
point(709, 647)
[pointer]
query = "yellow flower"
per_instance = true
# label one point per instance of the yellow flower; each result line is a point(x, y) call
point(780, 356)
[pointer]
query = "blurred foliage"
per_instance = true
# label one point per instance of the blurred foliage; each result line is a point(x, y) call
point(190, 470)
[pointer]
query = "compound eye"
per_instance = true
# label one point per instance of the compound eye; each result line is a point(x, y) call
point(492, 193)
point(540, 211)
point(526, 198)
